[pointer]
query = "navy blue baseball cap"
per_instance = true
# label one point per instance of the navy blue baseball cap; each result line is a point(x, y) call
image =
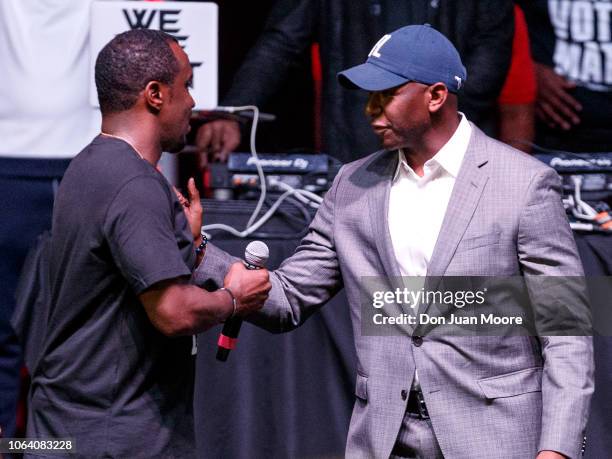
point(413, 53)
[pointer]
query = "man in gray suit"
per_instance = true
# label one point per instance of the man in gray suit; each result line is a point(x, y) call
point(442, 199)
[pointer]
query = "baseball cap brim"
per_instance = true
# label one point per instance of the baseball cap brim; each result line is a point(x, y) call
point(370, 77)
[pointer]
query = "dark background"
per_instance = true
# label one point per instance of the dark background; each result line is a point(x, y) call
point(240, 23)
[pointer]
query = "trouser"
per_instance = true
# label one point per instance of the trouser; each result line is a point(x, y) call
point(416, 438)
point(26, 205)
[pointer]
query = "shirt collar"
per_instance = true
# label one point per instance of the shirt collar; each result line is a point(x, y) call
point(450, 156)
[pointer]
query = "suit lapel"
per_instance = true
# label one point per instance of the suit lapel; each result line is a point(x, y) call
point(378, 202)
point(467, 191)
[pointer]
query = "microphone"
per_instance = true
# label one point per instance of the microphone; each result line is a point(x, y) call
point(255, 257)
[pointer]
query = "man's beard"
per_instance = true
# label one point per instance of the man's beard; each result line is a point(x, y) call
point(174, 145)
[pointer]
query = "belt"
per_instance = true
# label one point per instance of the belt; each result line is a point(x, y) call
point(416, 405)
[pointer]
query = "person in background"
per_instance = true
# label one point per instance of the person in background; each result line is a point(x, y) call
point(571, 45)
point(516, 102)
point(45, 120)
point(346, 30)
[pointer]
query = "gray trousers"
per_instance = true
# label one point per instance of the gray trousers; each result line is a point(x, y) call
point(416, 440)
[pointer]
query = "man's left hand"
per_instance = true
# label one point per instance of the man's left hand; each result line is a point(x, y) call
point(192, 208)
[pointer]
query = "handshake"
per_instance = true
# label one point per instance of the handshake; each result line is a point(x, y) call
point(248, 287)
point(248, 282)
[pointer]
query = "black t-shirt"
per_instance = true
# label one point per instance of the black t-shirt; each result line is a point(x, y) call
point(107, 377)
point(575, 38)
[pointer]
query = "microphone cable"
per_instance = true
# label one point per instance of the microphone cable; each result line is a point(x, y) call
point(305, 196)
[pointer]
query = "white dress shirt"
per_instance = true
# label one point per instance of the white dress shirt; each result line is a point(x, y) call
point(417, 205)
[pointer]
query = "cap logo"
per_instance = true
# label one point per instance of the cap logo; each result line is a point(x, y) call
point(376, 49)
point(459, 82)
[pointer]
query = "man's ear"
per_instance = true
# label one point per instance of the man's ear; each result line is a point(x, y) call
point(155, 94)
point(438, 95)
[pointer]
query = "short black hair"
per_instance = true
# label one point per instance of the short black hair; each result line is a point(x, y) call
point(128, 62)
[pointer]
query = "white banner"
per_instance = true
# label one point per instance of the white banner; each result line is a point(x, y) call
point(194, 25)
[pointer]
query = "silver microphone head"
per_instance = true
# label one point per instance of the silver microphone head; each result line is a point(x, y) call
point(256, 254)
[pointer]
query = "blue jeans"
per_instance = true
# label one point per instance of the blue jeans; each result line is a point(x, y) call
point(26, 205)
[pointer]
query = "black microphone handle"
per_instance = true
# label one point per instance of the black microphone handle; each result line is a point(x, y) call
point(231, 329)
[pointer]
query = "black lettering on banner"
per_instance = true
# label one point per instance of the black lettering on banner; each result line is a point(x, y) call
point(180, 39)
point(165, 20)
point(583, 51)
point(138, 18)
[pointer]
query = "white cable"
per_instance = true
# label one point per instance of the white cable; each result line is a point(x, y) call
point(251, 228)
point(581, 209)
point(570, 203)
point(576, 213)
point(582, 226)
point(305, 196)
point(260, 172)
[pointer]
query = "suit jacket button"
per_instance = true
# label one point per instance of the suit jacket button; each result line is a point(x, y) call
point(417, 340)
point(404, 394)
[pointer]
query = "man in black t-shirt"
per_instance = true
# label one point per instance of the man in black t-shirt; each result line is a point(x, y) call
point(116, 370)
point(571, 43)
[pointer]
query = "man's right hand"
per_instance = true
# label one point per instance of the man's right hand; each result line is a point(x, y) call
point(250, 287)
point(554, 104)
point(216, 139)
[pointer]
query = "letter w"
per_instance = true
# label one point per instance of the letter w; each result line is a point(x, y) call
point(139, 16)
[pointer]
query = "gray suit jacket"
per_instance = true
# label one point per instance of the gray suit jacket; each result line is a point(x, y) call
point(506, 397)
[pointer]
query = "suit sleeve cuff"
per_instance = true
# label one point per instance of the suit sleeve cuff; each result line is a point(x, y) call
point(211, 271)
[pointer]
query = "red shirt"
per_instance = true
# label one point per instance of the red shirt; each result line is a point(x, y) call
point(520, 85)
